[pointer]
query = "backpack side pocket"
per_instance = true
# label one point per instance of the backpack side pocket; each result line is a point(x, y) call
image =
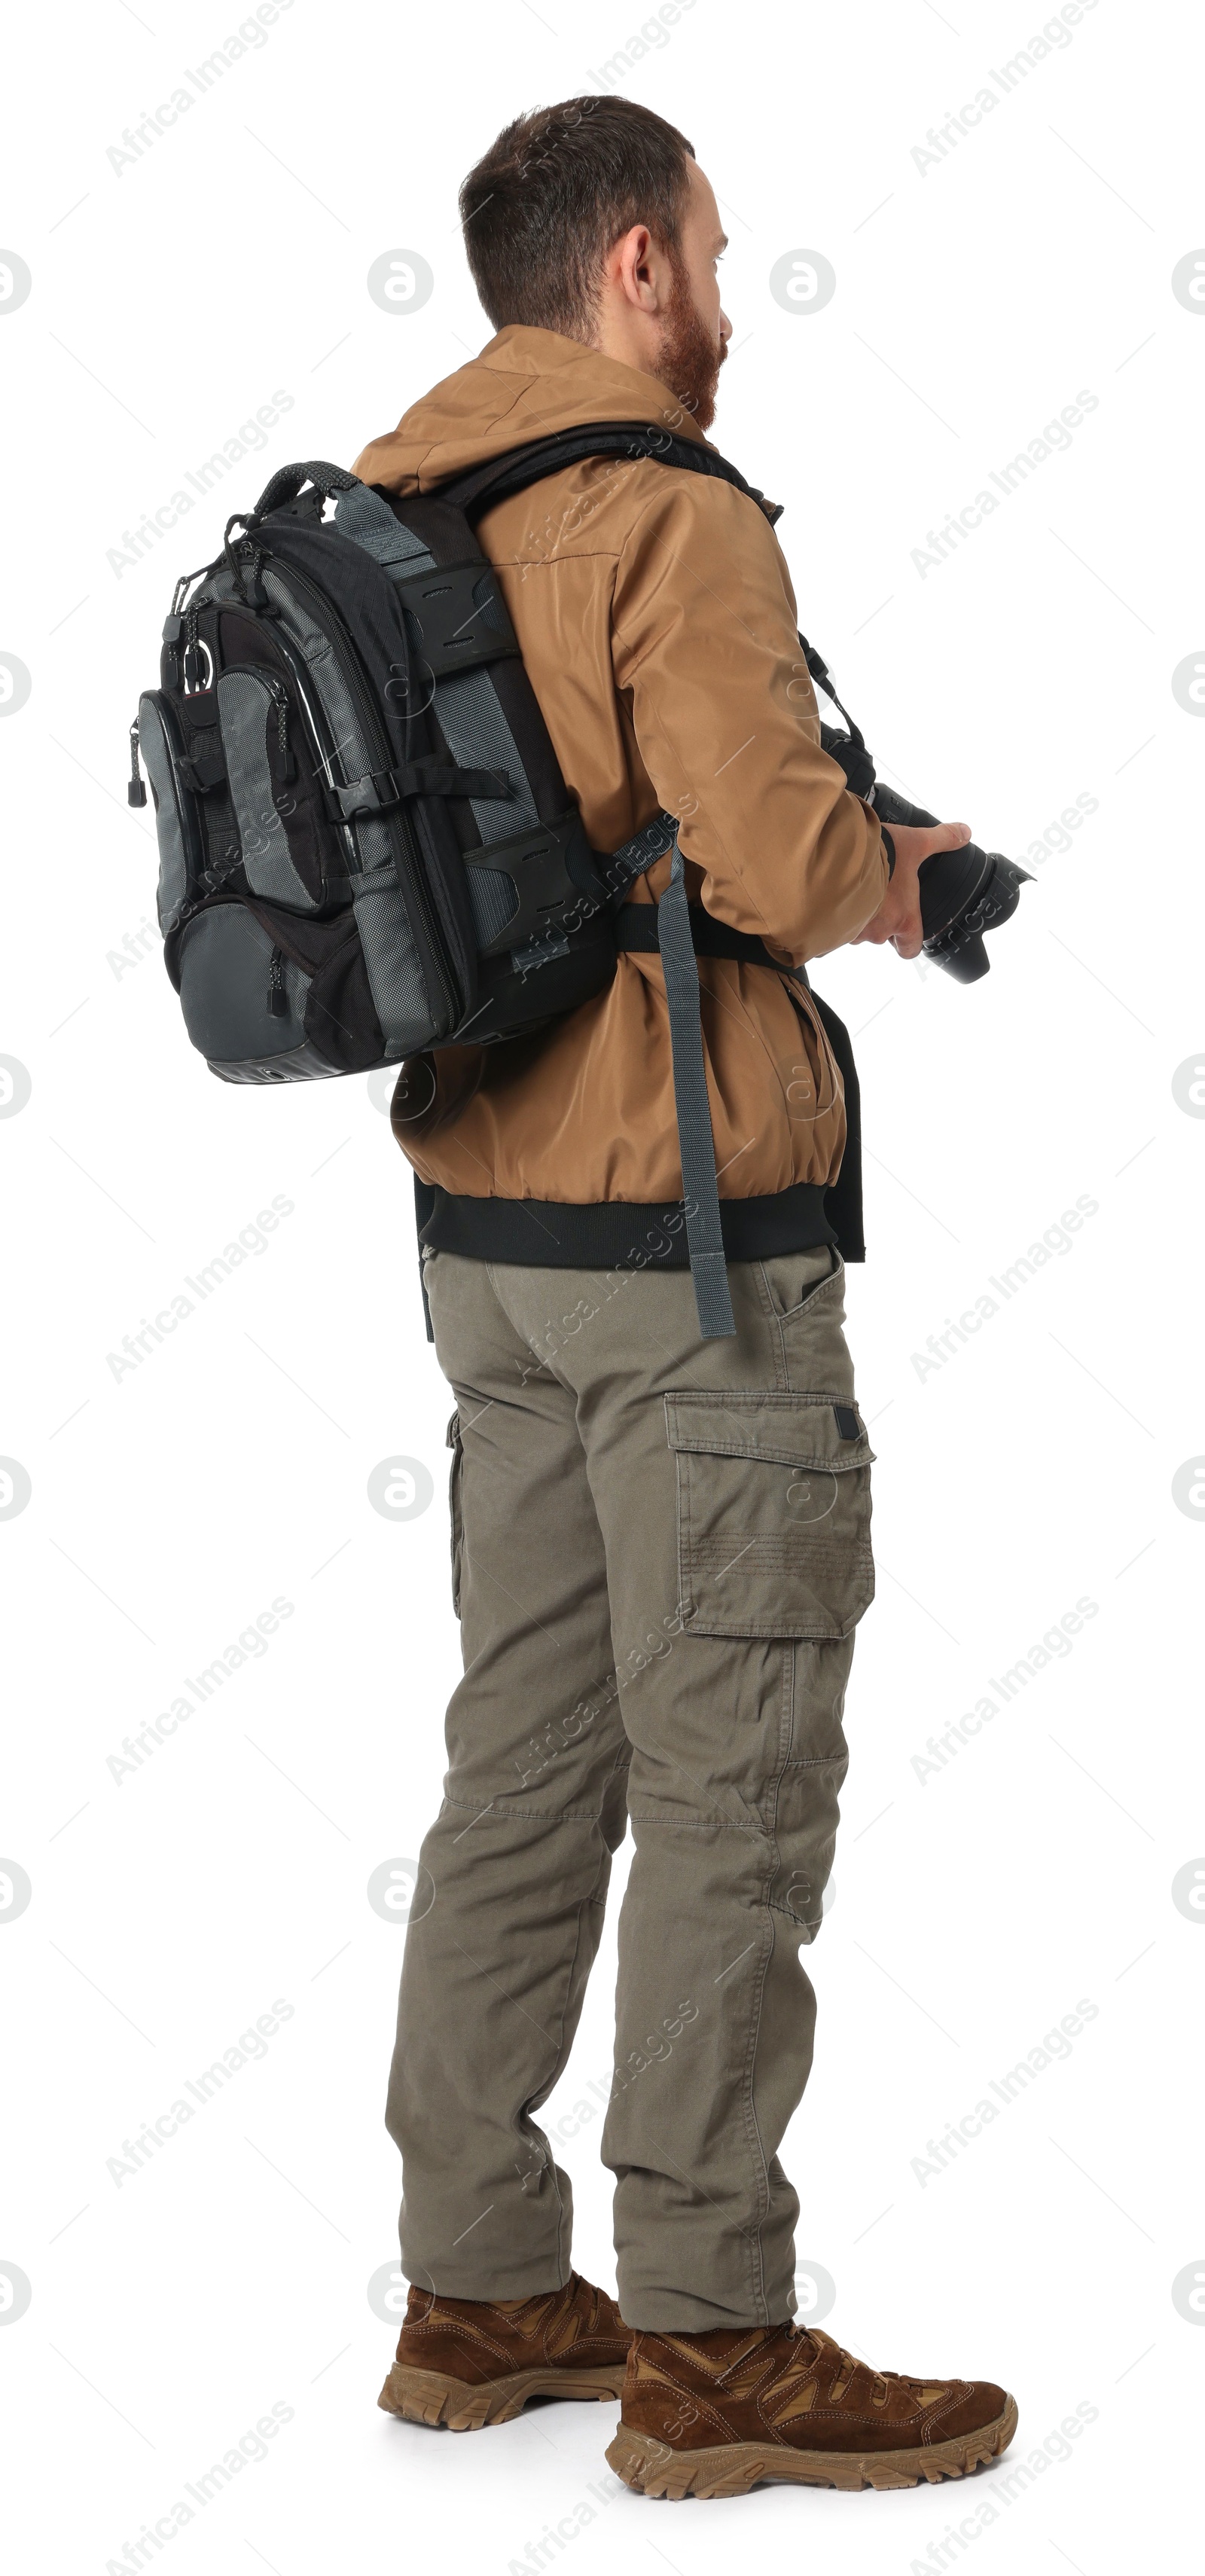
point(253, 709)
point(177, 825)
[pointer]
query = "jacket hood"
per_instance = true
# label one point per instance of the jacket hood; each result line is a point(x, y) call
point(525, 384)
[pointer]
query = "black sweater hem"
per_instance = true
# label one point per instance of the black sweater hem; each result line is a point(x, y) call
point(618, 1234)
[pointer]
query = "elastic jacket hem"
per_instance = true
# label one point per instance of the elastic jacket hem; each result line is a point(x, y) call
point(618, 1234)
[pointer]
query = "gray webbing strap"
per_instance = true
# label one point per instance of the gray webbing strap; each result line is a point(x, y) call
point(390, 959)
point(708, 1266)
point(362, 514)
point(471, 719)
point(470, 716)
point(620, 868)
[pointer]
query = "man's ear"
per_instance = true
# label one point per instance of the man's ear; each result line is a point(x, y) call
point(629, 266)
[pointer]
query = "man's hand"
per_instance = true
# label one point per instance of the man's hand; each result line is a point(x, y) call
point(898, 916)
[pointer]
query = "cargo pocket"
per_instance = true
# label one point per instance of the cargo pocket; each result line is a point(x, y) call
point(773, 1514)
point(455, 1480)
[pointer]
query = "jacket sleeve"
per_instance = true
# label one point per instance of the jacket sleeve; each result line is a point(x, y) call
point(705, 648)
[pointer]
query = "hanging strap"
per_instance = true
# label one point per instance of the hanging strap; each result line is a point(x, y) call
point(847, 749)
point(672, 928)
point(289, 480)
point(696, 1144)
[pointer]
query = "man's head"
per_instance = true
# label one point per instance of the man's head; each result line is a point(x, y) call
point(594, 219)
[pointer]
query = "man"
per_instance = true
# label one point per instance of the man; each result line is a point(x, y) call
point(661, 1542)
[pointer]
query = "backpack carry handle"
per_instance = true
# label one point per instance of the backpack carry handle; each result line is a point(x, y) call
point(289, 480)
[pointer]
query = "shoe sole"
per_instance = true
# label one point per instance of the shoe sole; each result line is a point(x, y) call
point(653, 2469)
point(431, 2397)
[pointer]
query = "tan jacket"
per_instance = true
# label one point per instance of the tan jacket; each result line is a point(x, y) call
point(657, 623)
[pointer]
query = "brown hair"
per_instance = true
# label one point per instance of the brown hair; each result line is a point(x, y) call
point(544, 205)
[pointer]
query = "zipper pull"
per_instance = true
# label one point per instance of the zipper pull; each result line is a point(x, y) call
point(250, 565)
point(172, 630)
point(288, 766)
point(278, 1000)
point(192, 658)
point(135, 792)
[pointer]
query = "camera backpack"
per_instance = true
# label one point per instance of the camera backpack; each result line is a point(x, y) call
point(366, 845)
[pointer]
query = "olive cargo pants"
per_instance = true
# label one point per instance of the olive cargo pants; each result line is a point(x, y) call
point(661, 1548)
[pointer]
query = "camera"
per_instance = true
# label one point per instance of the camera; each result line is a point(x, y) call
point(963, 893)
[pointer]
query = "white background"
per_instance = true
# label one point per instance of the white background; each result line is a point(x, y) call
point(974, 1907)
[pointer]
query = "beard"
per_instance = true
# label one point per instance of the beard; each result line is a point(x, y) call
point(688, 358)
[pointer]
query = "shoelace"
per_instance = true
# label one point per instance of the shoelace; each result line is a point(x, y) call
point(847, 2363)
point(574, 2286)
point(572, 2292)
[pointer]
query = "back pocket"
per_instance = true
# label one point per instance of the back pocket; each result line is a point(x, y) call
point(773, 1513)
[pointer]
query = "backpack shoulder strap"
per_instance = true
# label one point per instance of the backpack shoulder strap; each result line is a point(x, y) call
point(477, 491)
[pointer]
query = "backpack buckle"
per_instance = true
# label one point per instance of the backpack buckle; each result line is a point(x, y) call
point(386, 787)
point(537, 862)
point(369, 795)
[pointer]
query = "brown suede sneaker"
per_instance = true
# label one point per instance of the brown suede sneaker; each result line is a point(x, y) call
point(468, 2362)
point(715, 2414)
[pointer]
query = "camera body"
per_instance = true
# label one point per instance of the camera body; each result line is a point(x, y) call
point(963, 893)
